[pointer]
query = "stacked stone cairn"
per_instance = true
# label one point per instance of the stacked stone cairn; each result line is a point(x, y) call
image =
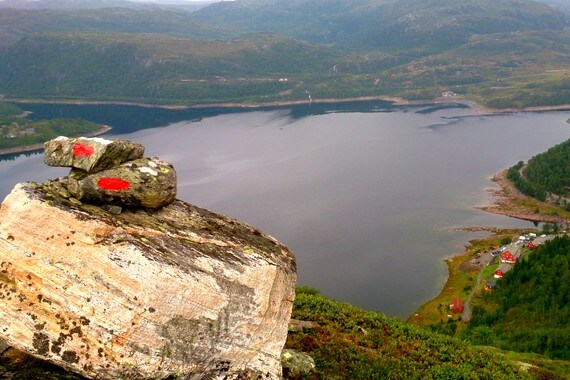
point(112, 173)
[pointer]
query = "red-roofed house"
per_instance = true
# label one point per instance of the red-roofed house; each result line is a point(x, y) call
point(508, 258)
point(456, 306)
point(498, 274)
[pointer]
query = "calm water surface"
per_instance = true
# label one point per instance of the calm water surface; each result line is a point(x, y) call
point(366, 197)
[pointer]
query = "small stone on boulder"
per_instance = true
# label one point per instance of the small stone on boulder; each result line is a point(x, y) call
point(90, 154)
point(146, 182)
point(296, 364)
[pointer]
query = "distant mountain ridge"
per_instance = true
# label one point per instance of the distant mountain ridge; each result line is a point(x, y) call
point(383, 24)
point(235, 51)
point(99, 4)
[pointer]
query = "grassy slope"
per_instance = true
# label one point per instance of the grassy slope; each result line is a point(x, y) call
point(351, 343)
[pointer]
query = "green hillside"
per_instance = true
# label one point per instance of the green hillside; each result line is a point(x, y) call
point(529, 311)
point(160, 69)
point(507, 53)
point(551, 169)
point(546, 177)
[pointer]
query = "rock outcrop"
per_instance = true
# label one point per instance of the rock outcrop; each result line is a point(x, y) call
point(112, 172)
point(176, 291)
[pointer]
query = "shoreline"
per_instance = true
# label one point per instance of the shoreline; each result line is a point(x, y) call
point(33, 147)
point(394, 100)
point(475, 107)
point(505, 200)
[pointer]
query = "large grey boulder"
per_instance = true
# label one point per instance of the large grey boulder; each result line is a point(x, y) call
point(143, 183)
point(179, 292)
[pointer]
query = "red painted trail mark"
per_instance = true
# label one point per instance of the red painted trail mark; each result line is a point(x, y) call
point(114, 184)
point(80, 150)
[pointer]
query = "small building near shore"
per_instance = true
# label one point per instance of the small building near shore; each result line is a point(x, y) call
point(490, 285)
point(507, 257)
point(456, 306)
point(498, 274)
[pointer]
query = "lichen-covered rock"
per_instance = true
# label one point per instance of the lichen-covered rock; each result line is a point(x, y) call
point(179, 291)
point(146, 182)
point(90, 154)
point(297, 364)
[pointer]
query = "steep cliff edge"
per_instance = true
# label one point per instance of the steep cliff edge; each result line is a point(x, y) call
point(178, 291)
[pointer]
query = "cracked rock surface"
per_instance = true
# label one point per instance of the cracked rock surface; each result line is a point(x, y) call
point(178, 291)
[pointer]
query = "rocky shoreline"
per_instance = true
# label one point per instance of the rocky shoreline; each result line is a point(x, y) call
point(506, 201)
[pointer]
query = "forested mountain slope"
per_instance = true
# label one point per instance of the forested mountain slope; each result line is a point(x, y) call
point(502, 53)
point(551, 170)
point(157, 68)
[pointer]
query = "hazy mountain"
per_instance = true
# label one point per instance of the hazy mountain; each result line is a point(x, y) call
point(383, 24)
point(427, 26)
point(15, 23)
point(563, 5)
point(98, 4)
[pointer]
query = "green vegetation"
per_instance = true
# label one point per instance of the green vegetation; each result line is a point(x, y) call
point(351, 343)
point(524, 186)
point(17, 131)
point(529, 310)
point(546, 177)
point(551, 170)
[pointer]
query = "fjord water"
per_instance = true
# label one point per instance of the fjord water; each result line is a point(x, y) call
point(367, 197)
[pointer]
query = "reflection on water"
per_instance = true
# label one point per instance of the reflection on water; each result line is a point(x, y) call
point(366, 197)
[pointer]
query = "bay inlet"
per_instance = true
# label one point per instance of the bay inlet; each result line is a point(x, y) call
point(366, 194)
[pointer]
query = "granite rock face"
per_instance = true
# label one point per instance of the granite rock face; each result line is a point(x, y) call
point(175, 292)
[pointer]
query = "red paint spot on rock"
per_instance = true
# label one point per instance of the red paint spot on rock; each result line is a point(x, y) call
point(80, 150)
point(115, 184)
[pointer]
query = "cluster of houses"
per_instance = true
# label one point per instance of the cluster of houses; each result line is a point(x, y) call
point(507, 259)
point(14, 131)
